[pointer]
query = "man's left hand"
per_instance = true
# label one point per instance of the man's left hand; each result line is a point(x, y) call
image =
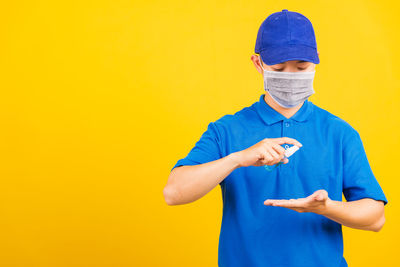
point(317, 202)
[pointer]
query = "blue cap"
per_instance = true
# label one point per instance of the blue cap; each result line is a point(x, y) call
point(284, 36)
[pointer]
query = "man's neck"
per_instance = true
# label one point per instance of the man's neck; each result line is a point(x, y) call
point(287, 112)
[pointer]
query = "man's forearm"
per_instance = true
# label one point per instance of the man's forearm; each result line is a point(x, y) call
point(364, 214)
point(189, 183)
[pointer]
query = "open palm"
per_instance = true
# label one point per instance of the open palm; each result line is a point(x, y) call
point(315, 202)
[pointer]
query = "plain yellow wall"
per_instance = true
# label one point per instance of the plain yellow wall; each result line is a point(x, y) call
point(99, 99)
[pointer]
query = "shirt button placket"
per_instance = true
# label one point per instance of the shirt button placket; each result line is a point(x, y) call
point(286, 126)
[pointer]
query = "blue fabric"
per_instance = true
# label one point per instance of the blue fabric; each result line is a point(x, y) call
point(332, 158)
point(284, 36)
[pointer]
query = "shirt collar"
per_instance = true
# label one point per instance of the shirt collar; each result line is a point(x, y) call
point(271, 116)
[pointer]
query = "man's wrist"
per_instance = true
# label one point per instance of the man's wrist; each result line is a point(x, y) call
point(329, 207)
point(235, 159)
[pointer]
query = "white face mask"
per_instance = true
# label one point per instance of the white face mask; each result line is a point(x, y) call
point(289, 89)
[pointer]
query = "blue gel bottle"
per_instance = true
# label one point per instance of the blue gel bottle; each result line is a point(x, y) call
point(288, 152)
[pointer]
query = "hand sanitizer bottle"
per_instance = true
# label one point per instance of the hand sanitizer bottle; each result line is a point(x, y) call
point(288, 152)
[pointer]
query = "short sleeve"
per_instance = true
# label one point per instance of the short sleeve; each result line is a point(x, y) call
point(206, 149)
point(358, 179)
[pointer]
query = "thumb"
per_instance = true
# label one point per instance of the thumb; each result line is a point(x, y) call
point(321, 195)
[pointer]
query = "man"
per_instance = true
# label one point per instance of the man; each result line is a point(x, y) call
point(290, 213)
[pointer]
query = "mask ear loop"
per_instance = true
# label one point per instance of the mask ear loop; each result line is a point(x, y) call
point(261, 64)
point(259, 56)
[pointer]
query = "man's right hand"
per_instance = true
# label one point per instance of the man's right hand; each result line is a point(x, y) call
point(266, 152)
point(189, 183)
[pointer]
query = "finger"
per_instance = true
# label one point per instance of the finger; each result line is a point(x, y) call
point(276, 156)
point(266, 158)
point(279, 149)
point(275, 201)
point(320, 195)
point(317, 197)
point(281, 152)
point(313, 196)
point(289, 204)
point(286, 140)
point(270, 201)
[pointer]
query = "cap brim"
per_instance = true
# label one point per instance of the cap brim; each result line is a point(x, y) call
point(280, 54)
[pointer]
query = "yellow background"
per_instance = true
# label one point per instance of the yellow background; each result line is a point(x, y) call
point(99, 99)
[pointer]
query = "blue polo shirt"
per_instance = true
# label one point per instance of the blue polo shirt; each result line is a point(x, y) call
point(332, 158)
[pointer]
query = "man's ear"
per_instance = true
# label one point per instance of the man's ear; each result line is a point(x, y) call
point(256, 62)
